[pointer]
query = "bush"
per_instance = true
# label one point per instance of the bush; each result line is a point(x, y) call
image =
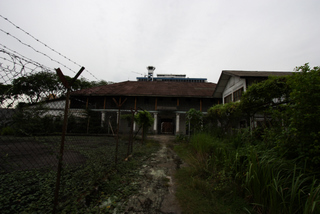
point(240, 165)
point(7, 131)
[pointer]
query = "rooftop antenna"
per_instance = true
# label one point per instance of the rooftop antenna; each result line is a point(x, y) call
point(139, 73)
point(150, 72)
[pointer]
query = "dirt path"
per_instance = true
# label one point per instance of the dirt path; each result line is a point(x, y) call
point(157, 185)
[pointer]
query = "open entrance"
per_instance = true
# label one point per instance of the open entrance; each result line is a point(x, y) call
point(166, 126)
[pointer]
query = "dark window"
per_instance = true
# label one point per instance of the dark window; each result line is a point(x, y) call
point(228, 99)
point(237, 94)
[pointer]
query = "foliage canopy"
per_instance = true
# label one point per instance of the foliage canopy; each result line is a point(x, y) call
point(42, 84)
point(144, 120)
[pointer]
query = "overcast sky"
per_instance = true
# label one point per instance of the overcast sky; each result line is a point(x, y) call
point(199, 38)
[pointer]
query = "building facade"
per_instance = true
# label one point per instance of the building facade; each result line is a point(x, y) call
point(232, 83)
point(167, 101)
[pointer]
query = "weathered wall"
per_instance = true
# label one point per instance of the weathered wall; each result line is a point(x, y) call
point(234, 84)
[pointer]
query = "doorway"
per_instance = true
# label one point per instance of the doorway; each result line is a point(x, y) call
point(166, 126)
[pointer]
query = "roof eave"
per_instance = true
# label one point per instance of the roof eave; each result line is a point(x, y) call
point(223, 80)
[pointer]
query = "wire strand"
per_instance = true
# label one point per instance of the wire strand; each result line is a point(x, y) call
point(47, 46)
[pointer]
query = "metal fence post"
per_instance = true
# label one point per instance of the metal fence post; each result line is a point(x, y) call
point(64, 130)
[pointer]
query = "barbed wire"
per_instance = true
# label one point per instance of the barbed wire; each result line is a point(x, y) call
point(45, 46)
point(19, 65)
point(29, 46)
point(13, 52)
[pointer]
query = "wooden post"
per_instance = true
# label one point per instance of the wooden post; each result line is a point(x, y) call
point(119, 104)
point(135, 103)
point(87, 103)
point(155, 105)
point(67, 85)
point(88, 124)
point(130, 144)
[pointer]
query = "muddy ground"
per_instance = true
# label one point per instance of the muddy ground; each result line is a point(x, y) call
point(156, 182)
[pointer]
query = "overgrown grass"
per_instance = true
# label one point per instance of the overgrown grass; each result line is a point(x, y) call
point(275, 185)
point(224, 176)
point(206, 185)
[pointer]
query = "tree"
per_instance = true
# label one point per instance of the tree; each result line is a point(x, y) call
point(99, 83)
point(227, 115)
point(291, 105)
point(267, 98)
point(34, 121)
point(36, 85)
point(42, 84)
point(4, 92)
point(304, 127)
point(144, 120)
point(194, 120)
point(83, 83)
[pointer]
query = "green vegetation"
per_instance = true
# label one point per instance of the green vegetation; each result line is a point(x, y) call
point(273, 167)
point(207, 185)
point(144, 120)
point(194, 120)
point(84, 188)
point(36, 120)
point(223, 176)
point(33, 87)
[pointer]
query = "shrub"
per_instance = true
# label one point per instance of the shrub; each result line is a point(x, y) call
point(7, 131)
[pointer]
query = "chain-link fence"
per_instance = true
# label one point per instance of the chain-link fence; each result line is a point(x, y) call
point(45, 157)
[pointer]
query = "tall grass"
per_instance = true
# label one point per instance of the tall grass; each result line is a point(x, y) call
point(205, 186)
point(268, 182)
point(274, 185)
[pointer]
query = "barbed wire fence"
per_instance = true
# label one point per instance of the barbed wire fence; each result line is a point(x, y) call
point(43, 164)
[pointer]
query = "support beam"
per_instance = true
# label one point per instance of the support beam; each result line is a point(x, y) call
point(87, 103)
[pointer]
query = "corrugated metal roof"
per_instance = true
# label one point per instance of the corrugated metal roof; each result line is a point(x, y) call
point(156, 89)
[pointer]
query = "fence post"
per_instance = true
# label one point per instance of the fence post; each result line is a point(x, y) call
point(64, 130)
point(119, 104)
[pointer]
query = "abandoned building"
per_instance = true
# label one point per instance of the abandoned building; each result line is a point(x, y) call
point(167, 97)
point(167, 101)
point(232, 83)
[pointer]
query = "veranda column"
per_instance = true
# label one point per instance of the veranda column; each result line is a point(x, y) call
point(103, 118)
point(155, 122)
point(134, 124)
point(118, 115)
point(177, 123)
